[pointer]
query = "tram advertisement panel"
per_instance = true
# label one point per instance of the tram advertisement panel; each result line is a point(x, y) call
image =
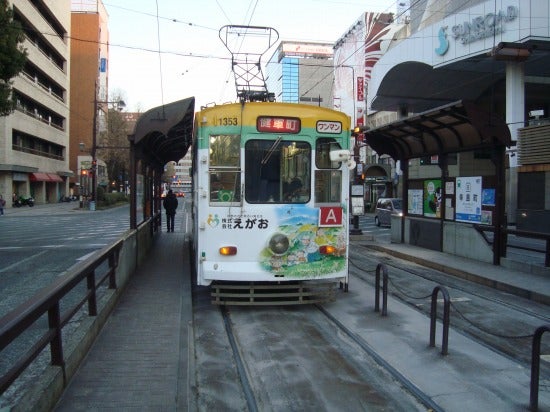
point(287, 240)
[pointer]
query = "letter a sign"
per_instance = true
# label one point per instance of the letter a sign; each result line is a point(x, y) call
point(330, 216)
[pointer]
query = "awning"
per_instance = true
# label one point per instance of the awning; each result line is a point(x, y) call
point(457, 127)
point(45, 177)
point(164, 133)
point(55, 178)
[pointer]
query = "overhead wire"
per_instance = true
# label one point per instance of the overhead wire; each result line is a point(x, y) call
point(160, 57)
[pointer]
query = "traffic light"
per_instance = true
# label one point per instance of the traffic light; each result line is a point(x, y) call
point(83, 172)
point(359, 133)
point(357, 130)
point(94, 164)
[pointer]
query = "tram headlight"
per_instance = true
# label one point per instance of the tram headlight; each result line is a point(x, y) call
point(279, 244)
point(228, 250)
point(327, 250)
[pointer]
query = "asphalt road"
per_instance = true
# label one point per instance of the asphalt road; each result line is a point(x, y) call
point(41, 243)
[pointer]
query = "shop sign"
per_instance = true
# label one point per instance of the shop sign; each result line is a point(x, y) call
point(482, 27)
point(360, 89)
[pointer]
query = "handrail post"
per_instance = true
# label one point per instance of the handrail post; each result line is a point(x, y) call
point(384, 269)
point(56, 344)
point(547, 257)
point(113, 264)
point(92, 301)
point(535, 367)
point(446, 318)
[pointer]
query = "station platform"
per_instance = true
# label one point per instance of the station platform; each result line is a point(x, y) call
point(141, 359)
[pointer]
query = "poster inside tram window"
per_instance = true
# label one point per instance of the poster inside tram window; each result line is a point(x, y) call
point(468, 199)
point(432, 198)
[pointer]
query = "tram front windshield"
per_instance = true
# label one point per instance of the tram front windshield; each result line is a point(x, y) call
point(277, 171)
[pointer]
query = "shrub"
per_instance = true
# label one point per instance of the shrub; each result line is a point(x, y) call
point(111, 199)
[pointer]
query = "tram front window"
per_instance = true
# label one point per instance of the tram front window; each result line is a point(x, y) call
point(277, 171)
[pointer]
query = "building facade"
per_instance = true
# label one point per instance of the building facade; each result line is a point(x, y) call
point(355, 55)
point(34, 139)
point(494, 53)
point(89, 91)
point(299, 72)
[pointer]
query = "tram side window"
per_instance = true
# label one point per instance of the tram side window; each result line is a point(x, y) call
point(224, 168)
point(277, 171)
point(328, 181)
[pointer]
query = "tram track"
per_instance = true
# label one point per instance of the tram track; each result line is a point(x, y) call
point(389, 262)
point(338, 352)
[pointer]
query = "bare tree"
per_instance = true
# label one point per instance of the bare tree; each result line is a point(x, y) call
point(115, 150)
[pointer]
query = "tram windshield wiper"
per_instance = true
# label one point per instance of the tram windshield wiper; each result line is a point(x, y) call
point(271, 150)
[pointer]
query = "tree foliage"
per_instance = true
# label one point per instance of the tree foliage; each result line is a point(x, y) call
point(12, 55)
point(114, 149)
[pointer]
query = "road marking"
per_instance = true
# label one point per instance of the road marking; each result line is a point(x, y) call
point(455, 300)
point(86, 256)
point(22, 261)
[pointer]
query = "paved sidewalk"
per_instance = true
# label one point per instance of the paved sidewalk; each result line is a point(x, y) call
point(139, 360)
point(41, 209)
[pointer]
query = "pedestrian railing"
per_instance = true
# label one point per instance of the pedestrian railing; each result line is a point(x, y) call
point(48, 302)
point(522, 233)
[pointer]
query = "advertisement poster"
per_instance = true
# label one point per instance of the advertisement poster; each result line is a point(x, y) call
point(432, 198)
point(488, 197)
point(468, 199)
point(415, 202)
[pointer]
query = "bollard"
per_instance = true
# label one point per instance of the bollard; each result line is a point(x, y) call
point(433, 313)
point(535, 368)
point(384, 269)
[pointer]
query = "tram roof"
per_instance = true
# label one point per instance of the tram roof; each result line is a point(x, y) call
point(456, 127)
point(165, 132)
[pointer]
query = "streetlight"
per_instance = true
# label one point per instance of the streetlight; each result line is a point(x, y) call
point(93, 171)
point(352, 90)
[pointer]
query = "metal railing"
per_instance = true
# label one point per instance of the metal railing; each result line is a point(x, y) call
point(523, 233)
point(535, 367)
point(48, 302)
point(446, 318)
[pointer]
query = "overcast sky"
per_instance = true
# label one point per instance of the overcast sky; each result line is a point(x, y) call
point(193, 60)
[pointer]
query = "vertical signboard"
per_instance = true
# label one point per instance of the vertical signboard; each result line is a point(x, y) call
point(468, 199)
point(360, 89)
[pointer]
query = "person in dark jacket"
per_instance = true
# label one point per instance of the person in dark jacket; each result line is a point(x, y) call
point(170, 204)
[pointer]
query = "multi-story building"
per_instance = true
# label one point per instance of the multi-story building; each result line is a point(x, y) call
point(355, 54)
point(34, 139)
point(89, 90)
point(300, 72)
point(490, 52)
point(183, 177)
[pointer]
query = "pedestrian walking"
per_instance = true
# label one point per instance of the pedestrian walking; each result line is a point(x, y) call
point(170, 205)
point(2, 204)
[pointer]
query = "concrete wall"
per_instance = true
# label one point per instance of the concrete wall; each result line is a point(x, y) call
point(462, 239)
point(459, 239)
